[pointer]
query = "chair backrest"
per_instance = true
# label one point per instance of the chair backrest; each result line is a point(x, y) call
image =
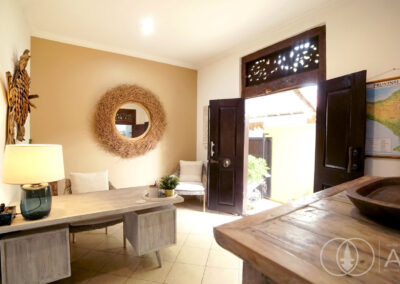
point(203, 173)
point(203, 170)
point(68, 189)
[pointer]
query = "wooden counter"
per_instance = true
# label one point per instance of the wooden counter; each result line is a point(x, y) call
point(284, 244)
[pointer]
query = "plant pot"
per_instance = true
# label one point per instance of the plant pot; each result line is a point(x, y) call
point(153, 191)
point(169, 192)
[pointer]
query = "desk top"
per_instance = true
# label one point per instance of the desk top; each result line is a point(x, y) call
point(81, 207)
point(287, 243)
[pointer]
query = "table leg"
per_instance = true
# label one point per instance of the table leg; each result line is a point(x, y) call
point(159, 258)
point(253, 276)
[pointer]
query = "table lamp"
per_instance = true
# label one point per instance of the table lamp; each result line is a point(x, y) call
point(32, 166)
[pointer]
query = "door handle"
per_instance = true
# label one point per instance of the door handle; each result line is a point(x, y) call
point(352, 163)
point(212, 145)
point(350, 159)
point(226, 163)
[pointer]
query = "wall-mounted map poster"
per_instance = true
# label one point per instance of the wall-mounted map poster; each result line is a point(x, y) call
point(383, 119)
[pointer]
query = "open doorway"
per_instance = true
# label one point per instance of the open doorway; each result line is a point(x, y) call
point(282, 129)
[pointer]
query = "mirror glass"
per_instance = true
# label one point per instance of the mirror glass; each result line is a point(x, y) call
point(132, 120)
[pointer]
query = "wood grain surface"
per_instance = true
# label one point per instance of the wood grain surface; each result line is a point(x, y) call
point(35, 257)
point(87, 206)
point(285, 243)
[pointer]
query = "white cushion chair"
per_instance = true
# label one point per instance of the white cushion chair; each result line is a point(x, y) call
point(91, 182)
point(192, 179)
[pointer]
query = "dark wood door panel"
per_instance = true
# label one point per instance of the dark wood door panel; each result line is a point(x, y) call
point(337, 128)
point(340, 130)
point(226, 155)
point(227, 134)
point(226, 182)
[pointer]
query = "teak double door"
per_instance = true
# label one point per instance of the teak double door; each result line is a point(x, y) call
point(340, 140)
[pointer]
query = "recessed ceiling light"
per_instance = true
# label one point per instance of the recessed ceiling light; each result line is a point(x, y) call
point(147, 26)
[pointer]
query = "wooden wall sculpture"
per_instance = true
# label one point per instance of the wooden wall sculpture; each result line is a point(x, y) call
point(108, 134)
point(18, 99)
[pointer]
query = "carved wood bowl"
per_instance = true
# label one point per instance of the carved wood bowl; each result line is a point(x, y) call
point(378, 199)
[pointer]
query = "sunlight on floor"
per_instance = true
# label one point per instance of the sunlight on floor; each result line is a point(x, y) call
point(261, 205)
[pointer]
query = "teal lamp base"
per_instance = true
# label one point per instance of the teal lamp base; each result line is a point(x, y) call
point(35, 200)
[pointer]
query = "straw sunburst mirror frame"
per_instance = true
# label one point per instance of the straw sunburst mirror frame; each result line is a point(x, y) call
point(105, 128)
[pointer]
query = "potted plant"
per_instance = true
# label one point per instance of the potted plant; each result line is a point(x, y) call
point(168, 184)
point(257, 169)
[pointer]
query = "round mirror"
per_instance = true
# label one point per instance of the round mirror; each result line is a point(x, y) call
point(125, 134)
point(132, 120)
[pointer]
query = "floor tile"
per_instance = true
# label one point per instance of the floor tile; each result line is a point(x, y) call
point(192, 255)
point(222, 259)
point(199, 241)
point(107, 279)
point(77, 252)
point(139, 281)
point(170, 253)
point(181, 238)
point(113, 244)
point(203, 229)
point(182, 273)
point(100, 258)
point(93, 260)
point(78, 275)
point(214, 275)
point(149, 270)
point(121, 265)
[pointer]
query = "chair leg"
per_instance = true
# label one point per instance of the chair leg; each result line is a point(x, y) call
point(73, 238)
point(123, 236)
point(159, 258)
point(106, 230)
point(204, 203)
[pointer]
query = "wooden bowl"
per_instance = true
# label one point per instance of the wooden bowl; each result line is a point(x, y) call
point(379, 199)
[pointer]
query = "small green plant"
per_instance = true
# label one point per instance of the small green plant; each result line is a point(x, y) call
point(256, 168)
point(169, 182)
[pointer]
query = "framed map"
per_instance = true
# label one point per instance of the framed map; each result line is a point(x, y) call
point(383, 119)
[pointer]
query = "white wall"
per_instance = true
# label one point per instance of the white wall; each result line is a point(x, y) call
point(361, 34)
point(15, 38)
point(293, 151)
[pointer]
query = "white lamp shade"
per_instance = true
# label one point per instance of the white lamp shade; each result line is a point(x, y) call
point(33, 163)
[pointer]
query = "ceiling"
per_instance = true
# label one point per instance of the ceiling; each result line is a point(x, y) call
point(186, 32)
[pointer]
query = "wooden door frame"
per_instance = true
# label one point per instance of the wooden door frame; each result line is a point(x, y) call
point(291, 81)
point(286, 83)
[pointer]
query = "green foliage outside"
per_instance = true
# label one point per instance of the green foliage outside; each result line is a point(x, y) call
point(169, 182)
point(256, 169)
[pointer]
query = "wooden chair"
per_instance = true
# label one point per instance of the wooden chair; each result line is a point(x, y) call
point(193, 188)
point(94, 224)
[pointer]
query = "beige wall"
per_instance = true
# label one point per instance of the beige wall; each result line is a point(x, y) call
point(361, 34)
point(15, 38)
point(292, 165)
point(70, 80)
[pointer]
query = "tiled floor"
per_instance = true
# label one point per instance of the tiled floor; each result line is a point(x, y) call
point(197, 258)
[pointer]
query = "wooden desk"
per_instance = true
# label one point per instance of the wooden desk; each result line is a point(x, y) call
point(38, 251)
point(284, 244)
point(71, 208)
